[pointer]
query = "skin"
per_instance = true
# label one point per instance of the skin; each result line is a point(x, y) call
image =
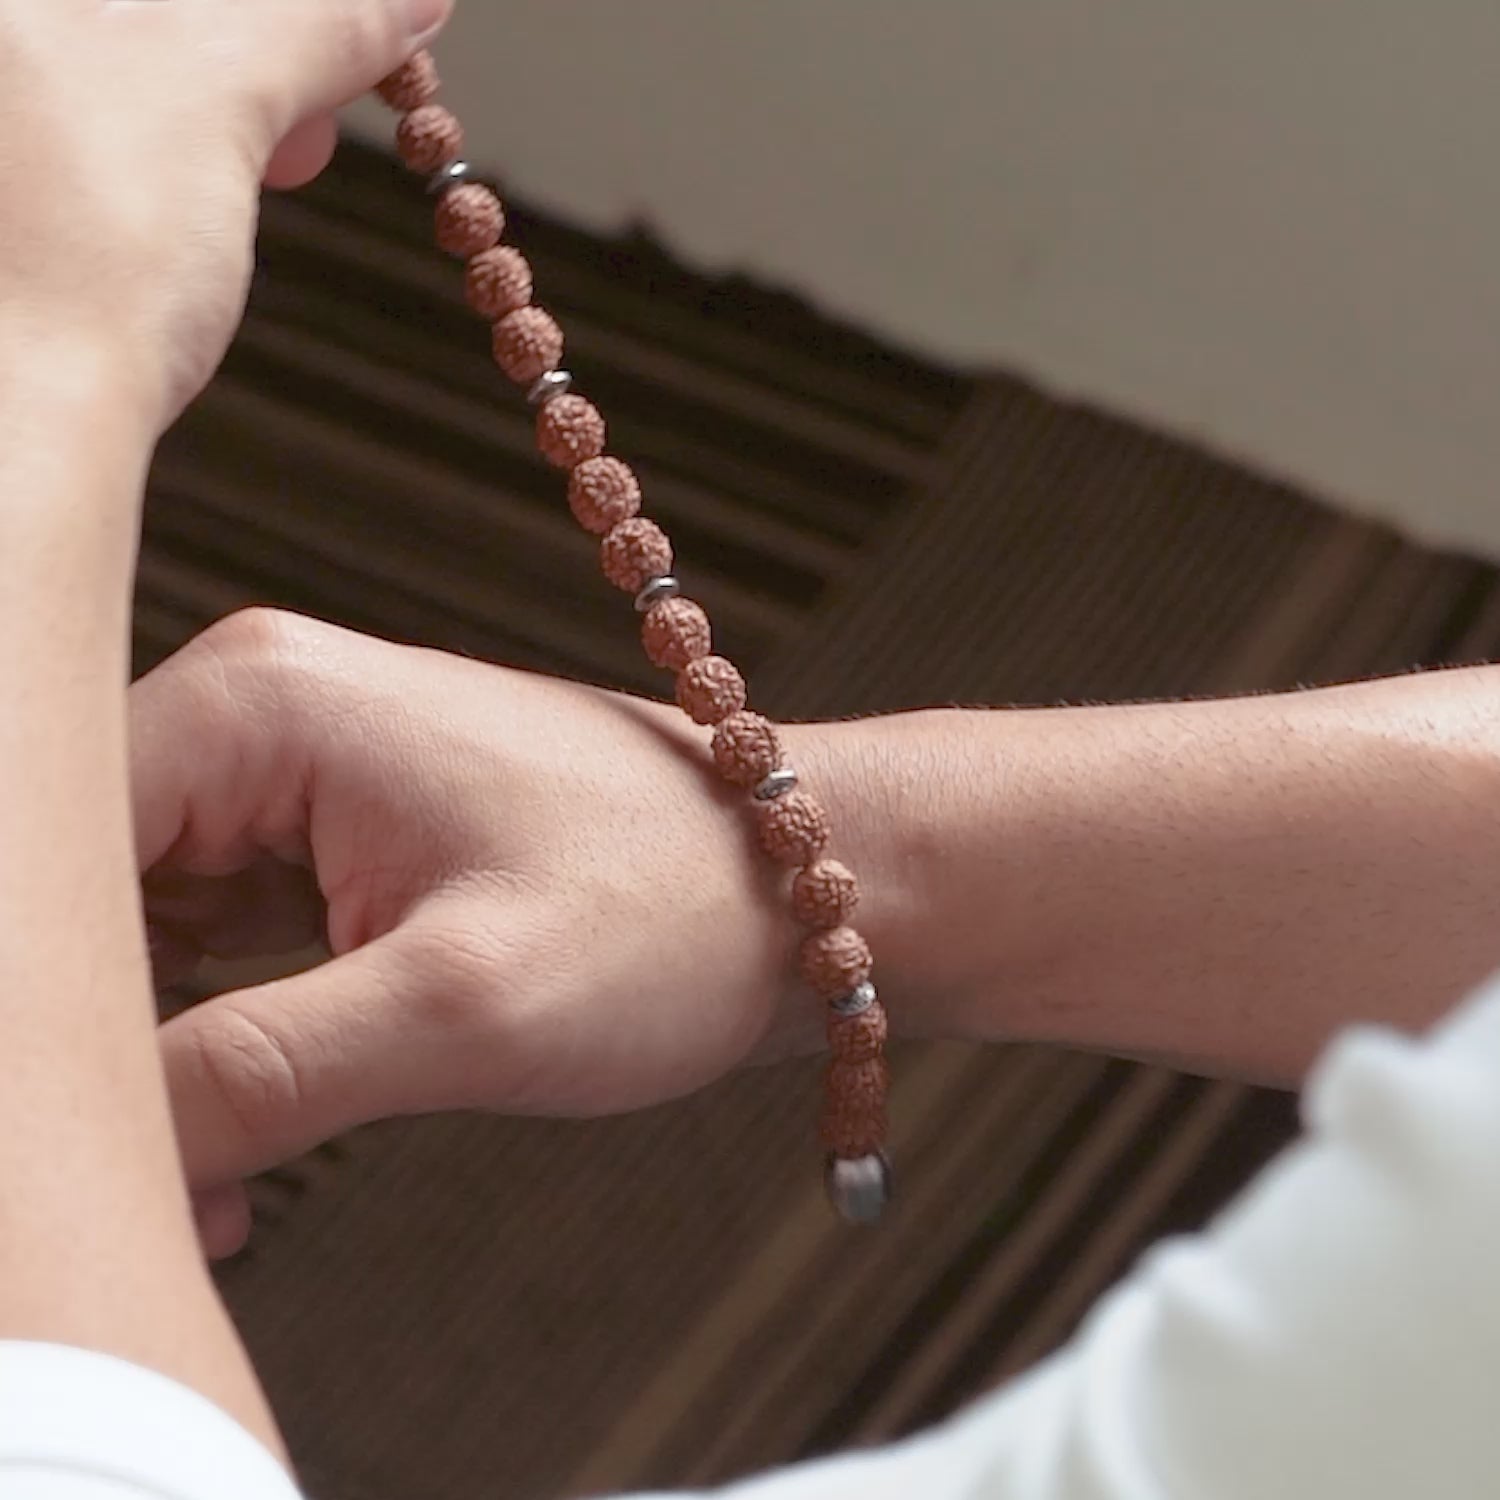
point(528, 886)
point(136, 138)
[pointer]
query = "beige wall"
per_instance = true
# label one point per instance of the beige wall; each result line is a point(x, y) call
point(1271, 223)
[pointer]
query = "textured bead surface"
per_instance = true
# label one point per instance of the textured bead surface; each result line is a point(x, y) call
point(835, 961)
point(855, 1121)
point(412, 85)
point(569, 431)
point(858, 1038)
point(825, 894)
point(675, 632)
point(710, 689)
point(605, 497)
point(635, 551)
point(859, 1187)
point(527, 343)
point(793, 829)
point(469, 219)
point(603, 492)
point(429, 137)
point(746, 749)
point(498, 281)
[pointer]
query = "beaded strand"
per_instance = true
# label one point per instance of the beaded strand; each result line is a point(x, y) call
point(636, 556)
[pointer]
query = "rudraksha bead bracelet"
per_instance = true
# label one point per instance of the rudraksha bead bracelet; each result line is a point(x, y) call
point(636, 555)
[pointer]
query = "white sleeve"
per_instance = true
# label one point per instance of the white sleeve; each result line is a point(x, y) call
point(81, 1426)
point(1335, 1333)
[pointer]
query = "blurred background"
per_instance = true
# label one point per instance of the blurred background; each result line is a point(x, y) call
point(993, 352)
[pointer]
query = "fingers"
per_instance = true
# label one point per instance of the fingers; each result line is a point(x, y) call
point(261, 1076)
point(304, 153)
point(217, 763)
point(312, 58)
point(223, 1219)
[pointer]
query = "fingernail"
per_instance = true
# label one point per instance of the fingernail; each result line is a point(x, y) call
point(223, 1220)
point(424, 17)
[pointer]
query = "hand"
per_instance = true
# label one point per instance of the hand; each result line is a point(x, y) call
point(539, 896)
point(138, 134)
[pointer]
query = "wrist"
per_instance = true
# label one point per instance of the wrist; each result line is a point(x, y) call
point(895, 787)
point(76, 438)
point(67, 378)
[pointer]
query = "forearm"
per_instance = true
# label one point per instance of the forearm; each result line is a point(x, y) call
point(97, 1246)
point(1223, 884)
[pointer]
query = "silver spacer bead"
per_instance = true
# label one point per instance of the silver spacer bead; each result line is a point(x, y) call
point(545, 387)
point(657, 589)
point(455, 174)
point(859, 1187)
point(856, 1002)
point(777, 784)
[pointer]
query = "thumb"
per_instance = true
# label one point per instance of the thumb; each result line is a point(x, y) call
point(308, 57)
point(262, 1075)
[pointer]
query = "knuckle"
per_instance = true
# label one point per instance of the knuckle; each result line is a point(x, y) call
point(259, 653)
point(256, 636)
point(253, 1075)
